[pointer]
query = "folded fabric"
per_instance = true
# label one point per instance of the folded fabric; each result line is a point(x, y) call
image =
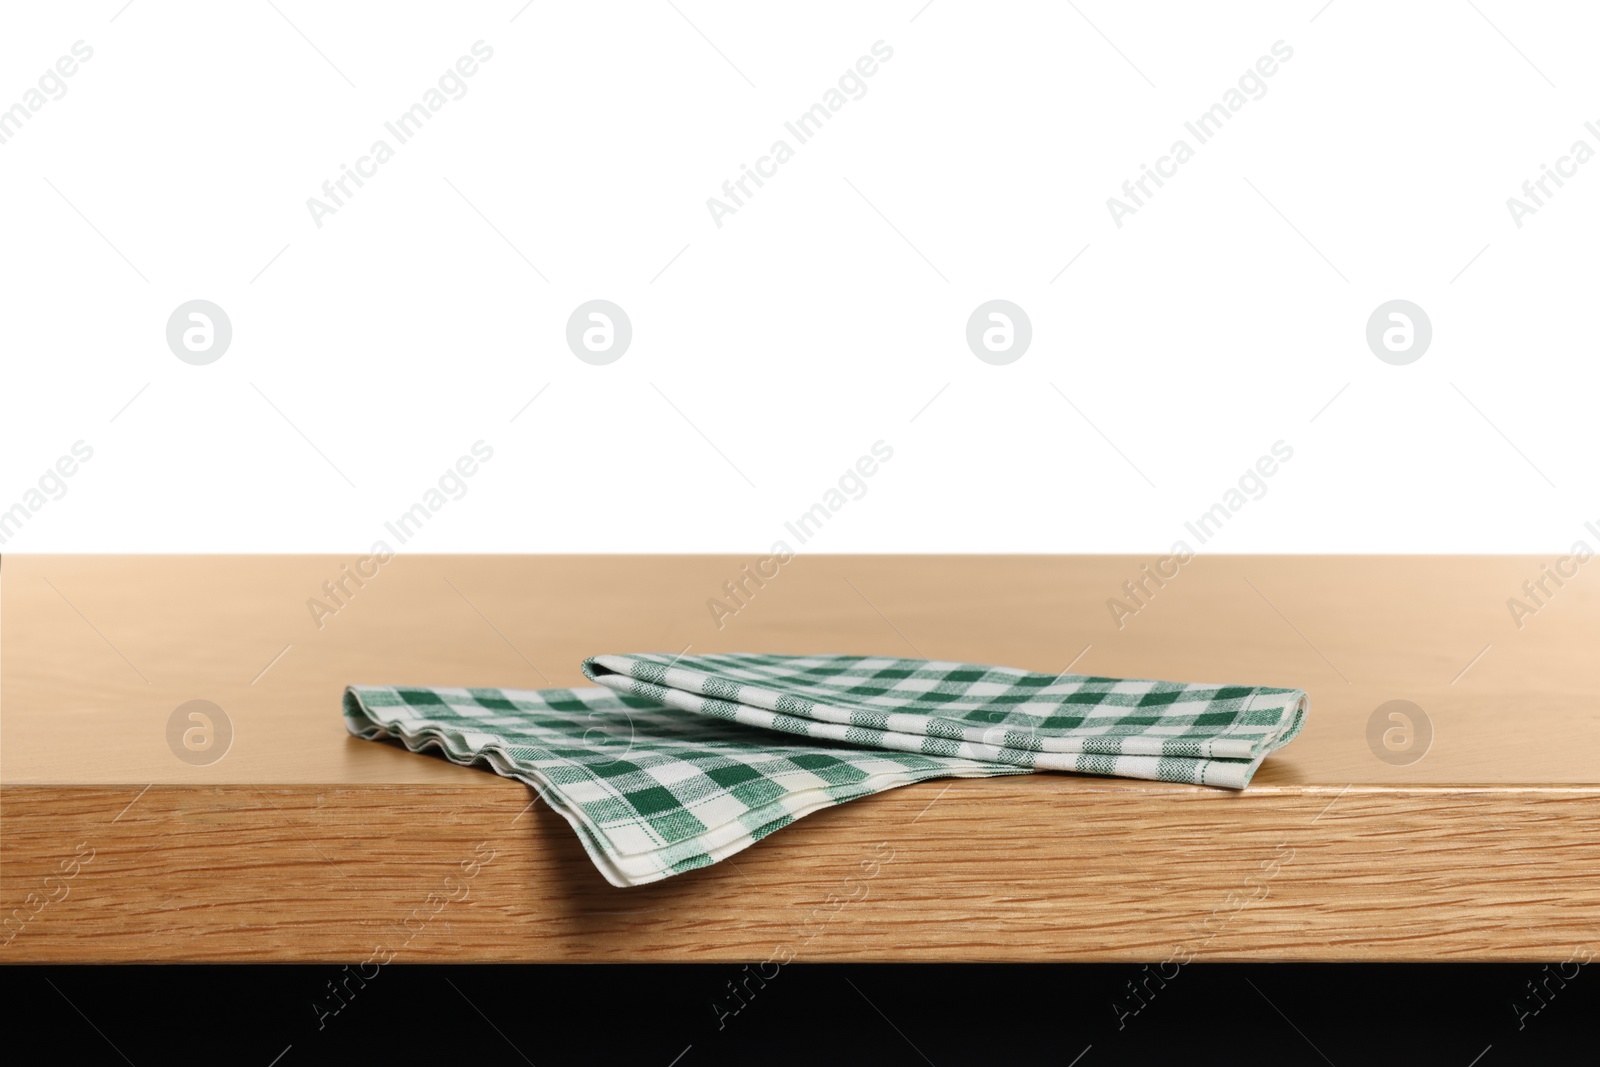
point(651, 792)
point(676, 762)
point(1168, 731)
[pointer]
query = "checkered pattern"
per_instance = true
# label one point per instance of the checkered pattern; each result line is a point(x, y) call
point(1168, 731)
point(650, 791)
point(674, 763)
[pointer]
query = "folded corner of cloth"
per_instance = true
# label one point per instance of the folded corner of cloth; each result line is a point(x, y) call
point(674, 762)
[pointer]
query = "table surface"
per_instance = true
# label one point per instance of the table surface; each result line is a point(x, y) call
point(253, 856)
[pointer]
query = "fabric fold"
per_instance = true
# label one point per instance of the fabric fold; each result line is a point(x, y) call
point(650, 792)
point(1168, 731)
point(672, 762)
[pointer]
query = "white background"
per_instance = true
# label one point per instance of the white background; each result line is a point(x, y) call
point(1227, 314)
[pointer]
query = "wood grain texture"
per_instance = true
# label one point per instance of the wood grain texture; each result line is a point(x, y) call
point(305, 844)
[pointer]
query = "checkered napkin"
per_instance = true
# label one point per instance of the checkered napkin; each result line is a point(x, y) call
point(673, 763)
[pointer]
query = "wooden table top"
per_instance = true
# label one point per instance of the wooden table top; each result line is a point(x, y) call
point(303, 843)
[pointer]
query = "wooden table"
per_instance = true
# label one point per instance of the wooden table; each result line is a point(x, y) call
point(302, 843)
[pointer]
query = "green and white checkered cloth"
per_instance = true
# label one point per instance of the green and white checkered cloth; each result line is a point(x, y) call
point(676, 762)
